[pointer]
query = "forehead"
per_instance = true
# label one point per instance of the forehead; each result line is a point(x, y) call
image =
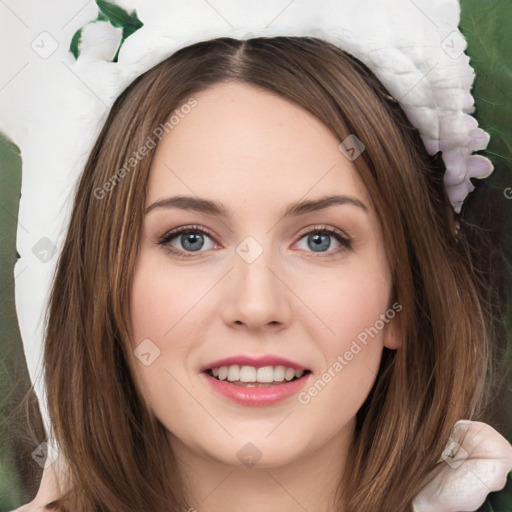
point(240, 142)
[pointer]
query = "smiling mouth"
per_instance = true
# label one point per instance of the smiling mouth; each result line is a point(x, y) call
point(249, 380)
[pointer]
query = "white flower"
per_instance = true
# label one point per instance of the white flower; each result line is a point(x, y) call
point(476, 461)
point(99, 41)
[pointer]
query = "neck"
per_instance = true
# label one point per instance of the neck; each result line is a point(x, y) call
point(308, 482)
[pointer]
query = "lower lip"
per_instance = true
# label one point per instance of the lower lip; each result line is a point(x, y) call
point(257, 396)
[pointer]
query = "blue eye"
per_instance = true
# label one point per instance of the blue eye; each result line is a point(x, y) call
point(320, 238)
point(192, 240)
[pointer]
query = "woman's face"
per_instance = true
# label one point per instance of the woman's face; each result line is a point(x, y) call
point(257, 280)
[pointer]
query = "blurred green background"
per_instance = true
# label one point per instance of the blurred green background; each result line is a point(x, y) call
point(487, 26)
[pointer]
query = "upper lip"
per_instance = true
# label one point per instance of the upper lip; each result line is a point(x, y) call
point(257, 362)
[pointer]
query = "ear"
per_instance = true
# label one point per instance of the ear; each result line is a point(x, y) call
point(393, 331)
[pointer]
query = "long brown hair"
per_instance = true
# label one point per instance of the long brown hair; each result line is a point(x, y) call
point(112, 444)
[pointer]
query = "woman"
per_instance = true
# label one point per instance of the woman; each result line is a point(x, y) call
point(139, 326)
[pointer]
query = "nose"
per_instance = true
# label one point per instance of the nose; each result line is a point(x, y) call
point(256, 294)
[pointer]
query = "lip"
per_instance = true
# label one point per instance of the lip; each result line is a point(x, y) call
point(257, 362)
point(256, 396)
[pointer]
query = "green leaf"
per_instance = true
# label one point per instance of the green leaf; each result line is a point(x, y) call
point(101, 17)
point(117, 16)
point(116, 55)
point(128, 31)
point(75, 43)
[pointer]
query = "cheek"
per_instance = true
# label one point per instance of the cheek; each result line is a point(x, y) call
point(160, 301)
point(351, 356)
point(346, 303)
point(350, 336)
point(162, 316)
point(361, 300)
point(151, 304)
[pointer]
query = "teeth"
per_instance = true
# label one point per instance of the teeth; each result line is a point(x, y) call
point(265, 374)
point(279, 373)
point(247, 374)
point(289, 373)
point(233, 373)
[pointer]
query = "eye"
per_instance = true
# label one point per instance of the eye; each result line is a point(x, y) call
point(191, 239)
point(320, 238)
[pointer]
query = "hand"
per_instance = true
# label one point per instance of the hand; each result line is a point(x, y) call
point(472, 467)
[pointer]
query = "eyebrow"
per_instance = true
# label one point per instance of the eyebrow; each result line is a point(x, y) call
point(208, 207)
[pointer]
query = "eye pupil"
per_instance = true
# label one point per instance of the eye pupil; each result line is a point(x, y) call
point(319, 241)
point(189, 239)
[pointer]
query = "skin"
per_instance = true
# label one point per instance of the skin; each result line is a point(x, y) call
point(50, 489)
point(256, 153)
point(196, 311)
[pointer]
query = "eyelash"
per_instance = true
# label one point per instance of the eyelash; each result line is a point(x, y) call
point(164, 240)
